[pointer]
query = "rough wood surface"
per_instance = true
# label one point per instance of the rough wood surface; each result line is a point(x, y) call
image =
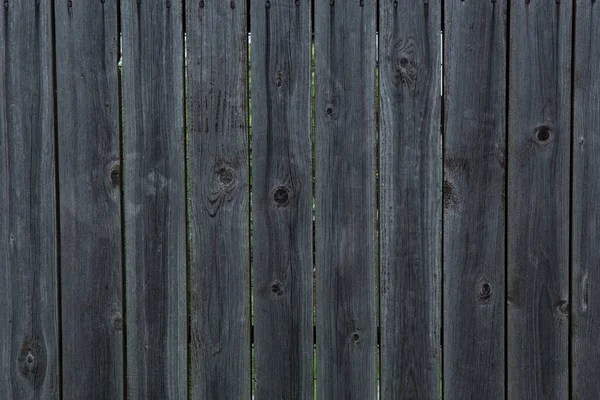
point(282, 200)
point(217, 47)
point(475, 69)
point(29, 356)
point(87, 48)
point(410, 198)
point(539, 143)
point(345, 199)
point(154, 199)
point(585, 308)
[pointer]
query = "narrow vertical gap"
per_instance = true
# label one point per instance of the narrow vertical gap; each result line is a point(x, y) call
point(122, 198)
point(571, 193)
point(377, 132)
point(186, 175)
point(248, 16)
point(506, 163)
point(248, 50)
point(313, 190)
point(443, 149)
point(57, 197)
point(312, 20)
point(183, 25)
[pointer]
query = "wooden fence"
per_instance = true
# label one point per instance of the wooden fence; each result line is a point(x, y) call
point(302, 215)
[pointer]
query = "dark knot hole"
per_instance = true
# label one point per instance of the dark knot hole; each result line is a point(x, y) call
point(115, 175)
point(542, 133)
point(277, 288)
point(281, 196)
point(485, 293)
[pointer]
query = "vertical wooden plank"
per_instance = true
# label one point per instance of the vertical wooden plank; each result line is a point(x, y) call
point(410, 198)
point(282, 200)
point(87, 49)
point(29, 360)
point(475, 68)
point(345, 199)
point(154, 199)
point(585, 324)
point(538, 199)
point(218, 178)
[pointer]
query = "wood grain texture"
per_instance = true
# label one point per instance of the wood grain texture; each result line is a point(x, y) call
point(345, 199)
point(475, 69)
point(538, 200)
point(410, 198)
point(585, 308)
point(218, 206)
point(154, 199)
point(87, 49)
point(282, 200)
point(29, 358)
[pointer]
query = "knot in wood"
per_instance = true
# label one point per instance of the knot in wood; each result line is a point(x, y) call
point(330, 110)
point(117, 321)
point(563, 307)
point(279, 78)
point(297, 3)
point(201, 4)
point(267, 4)
point(484, 296)
point(232, 5)
point(168, 4)
point(226, 176)
point(69, 4)
point(276, 288)
point(542, 134)
point(281, 196)
point(406, 62)
point(29, 358)
point(449, 196)
point(115, 174)
point(355, 337)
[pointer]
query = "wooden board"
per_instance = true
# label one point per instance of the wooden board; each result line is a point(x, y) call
point(410, 198)
point(475, 69)
point(345, 199)
point(539, 143)
point(217, 48)
point(585, 308)
point(282, 200)
point(154, 199)
point(87, 49)
point(29, 335)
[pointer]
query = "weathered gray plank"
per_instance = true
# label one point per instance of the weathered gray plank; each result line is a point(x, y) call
point(29, 366)
point(87, 49)
point(585, 324)
point(218, 205)
point(410, 198)
point(475, 69)
point(345, 199)
point(282, 200)
point(154, 199)
point(538, 199)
